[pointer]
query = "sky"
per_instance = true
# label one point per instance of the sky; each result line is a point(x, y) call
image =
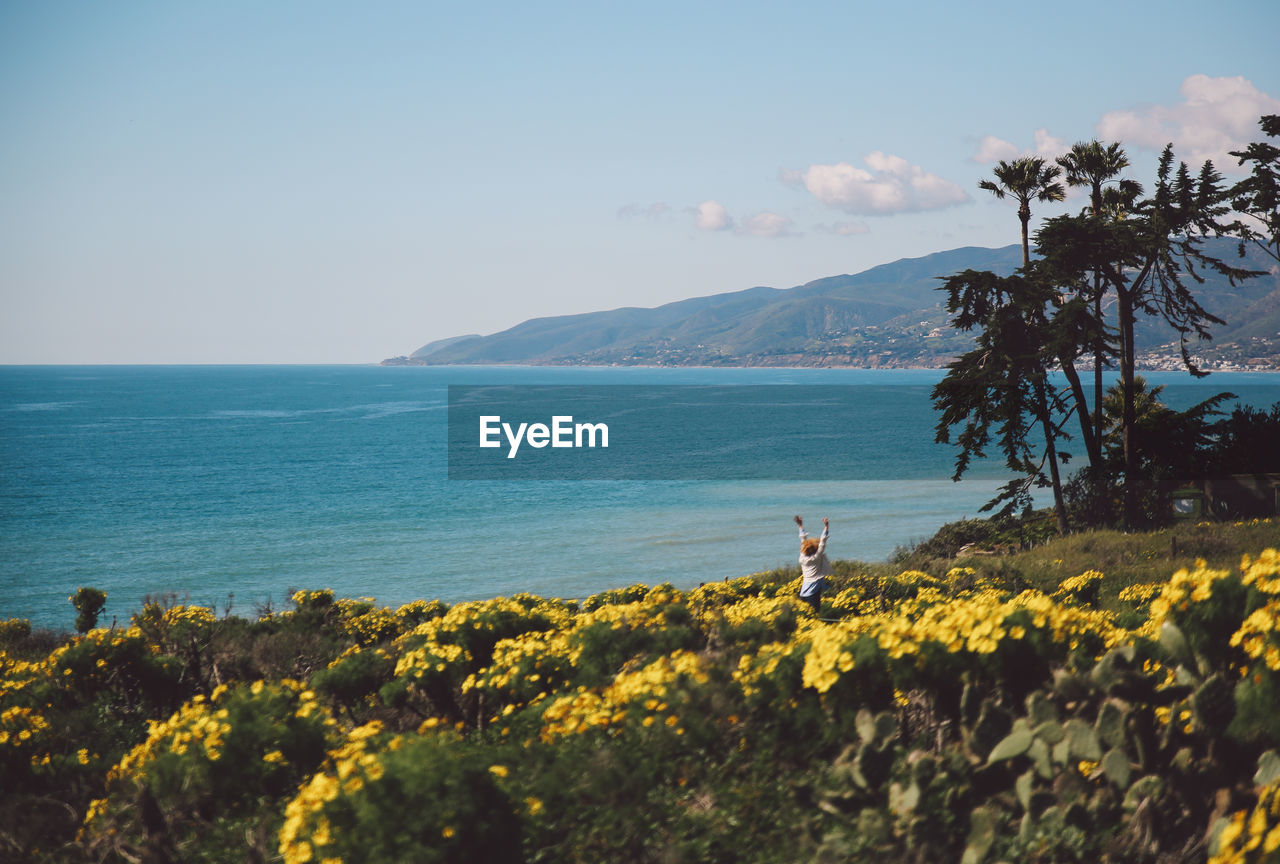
point(322, 182)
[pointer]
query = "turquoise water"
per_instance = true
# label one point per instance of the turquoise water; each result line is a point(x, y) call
point(246, 482)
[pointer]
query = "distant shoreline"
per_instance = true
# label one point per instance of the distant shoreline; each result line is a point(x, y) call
point(1141, 367)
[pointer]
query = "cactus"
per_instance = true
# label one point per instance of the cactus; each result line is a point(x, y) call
point(982, 834)
point(1083, 741)
point(1071, 686)
point(903, 799)
point(1214, 704)
point(1039, 753)
point(1039, 709)
point(1268, 769)
point(1050, 732)
point(873, 825)
point(1017, 742)
point(993, 724)
point(872, 764)
point(869, 762)
point(1023, 787)
point(1115, 765)
point(1149, 786)
point(1175, 645)
point(1110, 724)
point(923, 768)
point(970, 703)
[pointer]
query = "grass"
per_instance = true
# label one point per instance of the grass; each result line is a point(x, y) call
point(1124, 558)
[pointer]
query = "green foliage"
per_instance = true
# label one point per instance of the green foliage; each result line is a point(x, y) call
point(961, 715)
point(1000, 388)
point(355, 678)
point(1258, 195)
point(88, 603)
point(1147, 252)
point(213, 763)
point(14, 631)
point(422, 799)
point(1245, 442)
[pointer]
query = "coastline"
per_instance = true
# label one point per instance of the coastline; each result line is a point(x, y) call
point(1142, 366)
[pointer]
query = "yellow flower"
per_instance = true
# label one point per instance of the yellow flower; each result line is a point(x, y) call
point(498, 770)
point(448, 832)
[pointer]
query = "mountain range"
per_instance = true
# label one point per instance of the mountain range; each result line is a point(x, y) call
point(890, 315)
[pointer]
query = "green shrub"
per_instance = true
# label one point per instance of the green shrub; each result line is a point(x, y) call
point(423, 799)
point(355, 677)
point(225, 763)
point(88, 603)
point(13, 631)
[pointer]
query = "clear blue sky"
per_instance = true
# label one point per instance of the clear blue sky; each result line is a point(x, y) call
point(338, 182)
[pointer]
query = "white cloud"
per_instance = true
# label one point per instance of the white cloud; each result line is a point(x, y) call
point(712, 216)
point(766, 224)
point(992, 149)
point(893, 185)
point(1049, 147)
point(1217, 115)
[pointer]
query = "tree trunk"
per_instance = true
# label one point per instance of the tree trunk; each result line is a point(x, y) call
point(1095, 202)
point(1097, 369)
point(1092, 443)
point(1024, 216)
point(1125, 308)
point(1051, 454)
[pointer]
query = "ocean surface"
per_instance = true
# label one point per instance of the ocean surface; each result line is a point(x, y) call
point(234, 485)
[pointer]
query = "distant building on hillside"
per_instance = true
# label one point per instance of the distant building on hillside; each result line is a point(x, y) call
point(1230, 496)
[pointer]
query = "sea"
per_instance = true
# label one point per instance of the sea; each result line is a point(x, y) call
point(233, 486)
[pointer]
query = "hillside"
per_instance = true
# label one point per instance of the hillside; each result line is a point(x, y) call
point(1104, 700)
point(890, 315)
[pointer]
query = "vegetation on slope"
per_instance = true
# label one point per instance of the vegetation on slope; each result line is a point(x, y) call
point(1024, 708)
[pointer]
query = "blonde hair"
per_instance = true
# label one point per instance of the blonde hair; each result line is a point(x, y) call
point(809, 546)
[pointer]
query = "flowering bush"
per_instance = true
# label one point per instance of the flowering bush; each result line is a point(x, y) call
point(211, 763)
point(1080, 590)
point(939, 716)
point(389, 800)
point(1251, 836)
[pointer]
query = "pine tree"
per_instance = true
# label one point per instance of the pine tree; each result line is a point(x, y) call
point(1258, 195)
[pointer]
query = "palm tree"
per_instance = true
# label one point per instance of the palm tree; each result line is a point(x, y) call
point(1093, 165)
point(1026, 179)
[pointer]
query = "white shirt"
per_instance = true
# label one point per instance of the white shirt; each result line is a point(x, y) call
point(816, 566)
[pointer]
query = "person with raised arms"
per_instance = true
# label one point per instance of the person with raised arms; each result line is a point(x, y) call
point(814, 566)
